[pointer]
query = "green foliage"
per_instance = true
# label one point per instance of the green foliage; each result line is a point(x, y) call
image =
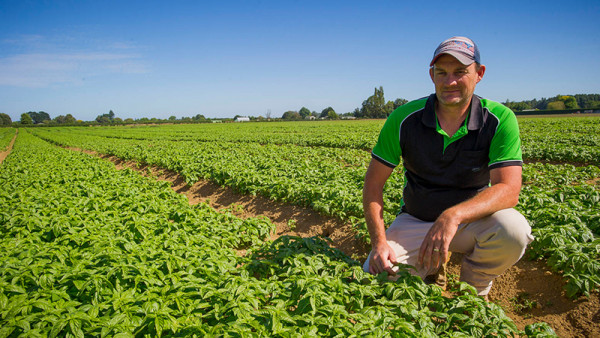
point(62, 119)
point(106, 118)
point(291, 115)
point(6, 135)
point(38, 117)
point(87, 250)
point(304, 112)
point(322, 165)
point(561, 139)
point(5, 120)
point(329, 113)
point(556, 105)
point(571, 101)
point(375, 106)
point(26, 119)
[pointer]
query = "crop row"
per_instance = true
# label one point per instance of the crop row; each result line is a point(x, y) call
point(6, 135)
point(552, 139)
point(330, 181)
point(561, 139)
point(87, 250)
point(361, 135)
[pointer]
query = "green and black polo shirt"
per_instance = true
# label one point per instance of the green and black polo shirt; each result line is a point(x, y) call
point(442, 171)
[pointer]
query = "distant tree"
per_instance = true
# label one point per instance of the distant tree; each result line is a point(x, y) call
point(517, 106)
point(587, 100)
point(117, 120)
point(304, 112)
point(106, 118)
point(26, 119)
point(199, 117)
point(388, 108)
point(39, 117)
point(332, 115)
point(375, 105)
point(291, 115)
point(325, 112)
point(592, 104)
point(172, 118)
point(5, 120)
point(399, 102)
point(556, 105)
point(570, 102)
point(103, 119)
point(70, 119)
point(60, 119)
point(129, 120)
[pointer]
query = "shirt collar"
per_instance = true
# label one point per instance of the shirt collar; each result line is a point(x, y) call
point(476, 118)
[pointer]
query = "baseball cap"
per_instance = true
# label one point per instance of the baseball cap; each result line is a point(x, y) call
point(463, 49)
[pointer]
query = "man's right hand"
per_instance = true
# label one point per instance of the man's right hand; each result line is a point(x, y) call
point(383, 258)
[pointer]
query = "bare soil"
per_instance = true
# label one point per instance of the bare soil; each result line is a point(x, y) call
point(528, 292)
point(4, 154)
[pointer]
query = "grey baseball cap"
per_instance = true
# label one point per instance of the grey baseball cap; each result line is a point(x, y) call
point(463, 49)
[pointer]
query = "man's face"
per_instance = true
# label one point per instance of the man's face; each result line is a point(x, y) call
point(454, 82)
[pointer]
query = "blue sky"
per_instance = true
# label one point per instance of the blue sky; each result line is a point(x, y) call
point(227, 58)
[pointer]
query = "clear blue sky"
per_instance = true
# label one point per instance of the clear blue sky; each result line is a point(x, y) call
point(222, 58)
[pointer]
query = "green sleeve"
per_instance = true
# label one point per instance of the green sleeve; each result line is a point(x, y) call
point(505, 148)
point(387, 150)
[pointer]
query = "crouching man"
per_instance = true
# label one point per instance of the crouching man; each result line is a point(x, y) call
point(462, 163)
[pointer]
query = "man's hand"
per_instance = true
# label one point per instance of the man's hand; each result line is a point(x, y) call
point(503, 193)
point(383, 258)
point(434, 249)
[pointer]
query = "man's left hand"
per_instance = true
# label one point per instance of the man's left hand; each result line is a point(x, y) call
point(434, 249)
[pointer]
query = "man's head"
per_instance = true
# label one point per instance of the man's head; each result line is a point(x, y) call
point(463, 49)
point(455, 71)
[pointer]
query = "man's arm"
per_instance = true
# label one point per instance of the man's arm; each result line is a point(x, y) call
point(503, 194)
point(383, 256)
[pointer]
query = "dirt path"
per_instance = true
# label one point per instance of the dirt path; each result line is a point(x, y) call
point(4, 154)
point(528, 292)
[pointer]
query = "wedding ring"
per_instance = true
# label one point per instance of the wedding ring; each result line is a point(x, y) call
point(436, 249)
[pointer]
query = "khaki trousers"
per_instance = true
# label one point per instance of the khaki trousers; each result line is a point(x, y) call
point(490, 245)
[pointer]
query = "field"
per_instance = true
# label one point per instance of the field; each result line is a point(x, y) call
point(90, 248)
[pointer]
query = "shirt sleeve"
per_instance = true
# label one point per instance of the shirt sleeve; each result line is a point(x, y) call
point(505, 148)
point(387, 150)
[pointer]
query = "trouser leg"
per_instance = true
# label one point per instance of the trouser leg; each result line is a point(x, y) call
point(491, 245)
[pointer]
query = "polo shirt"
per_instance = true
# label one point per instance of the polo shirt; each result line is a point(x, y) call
point(441, 171)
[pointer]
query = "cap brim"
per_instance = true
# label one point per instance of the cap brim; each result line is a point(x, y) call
point(465, 60)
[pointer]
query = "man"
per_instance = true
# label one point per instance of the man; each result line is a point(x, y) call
point(462, 165)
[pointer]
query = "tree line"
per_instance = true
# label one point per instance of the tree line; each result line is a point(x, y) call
point(374, 107)
point(578, 101)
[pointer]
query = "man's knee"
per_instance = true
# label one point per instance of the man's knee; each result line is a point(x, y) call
point(511, 228)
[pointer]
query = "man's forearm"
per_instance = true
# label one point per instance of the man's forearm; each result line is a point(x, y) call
point(497, 197)
point(375, 178)
point(373, 208)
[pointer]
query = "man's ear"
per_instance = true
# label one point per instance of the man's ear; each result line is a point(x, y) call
point(431, 73)
point(480, 72)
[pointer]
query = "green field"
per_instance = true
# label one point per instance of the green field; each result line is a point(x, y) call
point(90, 250)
